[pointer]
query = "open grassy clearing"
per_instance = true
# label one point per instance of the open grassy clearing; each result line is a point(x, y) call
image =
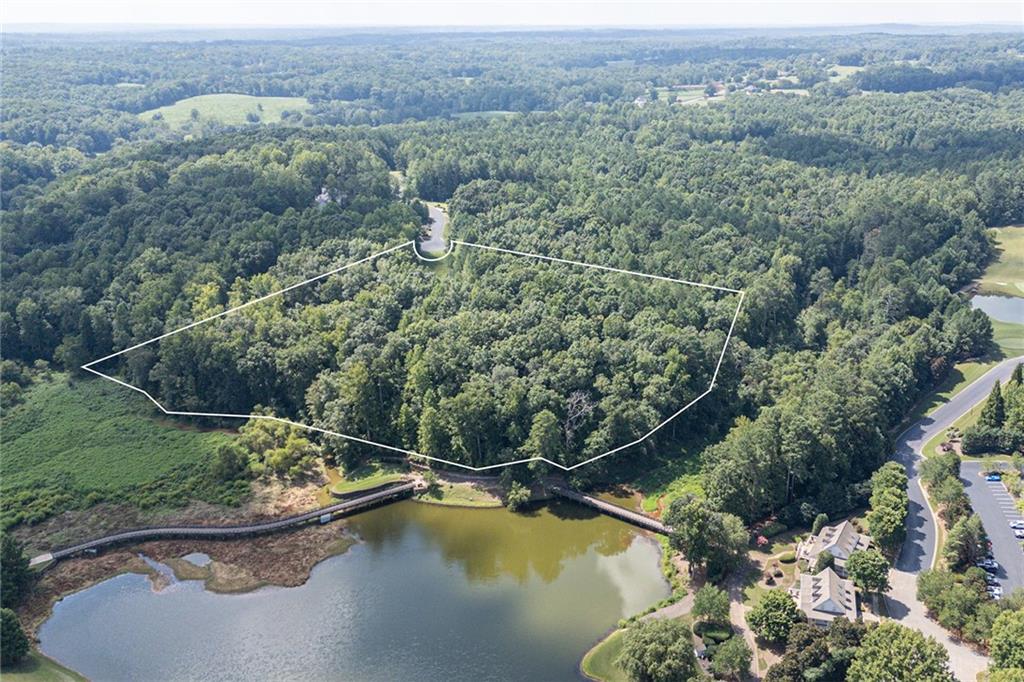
point(842, 72)
point(599, 662)
point(459, 494)
point(73, 443)
point(38, 668)
point(666, 483)
point(495, 113)
point(1005, 275)
point(367, 477)
point(230, 109)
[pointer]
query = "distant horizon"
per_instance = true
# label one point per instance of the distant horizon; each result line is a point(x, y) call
point(490, 15)
point(56, 28)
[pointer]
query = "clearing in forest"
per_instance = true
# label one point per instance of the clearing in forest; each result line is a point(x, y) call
point(493, 357)
point(228, 108)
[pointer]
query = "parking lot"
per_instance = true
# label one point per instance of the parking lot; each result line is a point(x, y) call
point(996, 508)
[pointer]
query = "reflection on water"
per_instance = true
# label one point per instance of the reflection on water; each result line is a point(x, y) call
point(492, 544)
point(1002, 308)
point(432, 594)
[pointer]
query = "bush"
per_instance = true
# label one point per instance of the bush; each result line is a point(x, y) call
point(517, 497)
point(820, 521)
point(787, 558)
point(713, 631)
point(773, 528)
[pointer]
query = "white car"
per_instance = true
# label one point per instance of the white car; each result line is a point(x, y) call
point(1019, 534)
point(1017, 525)
point(996, 592)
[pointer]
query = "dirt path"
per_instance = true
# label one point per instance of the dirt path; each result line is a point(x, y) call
point(738, 617)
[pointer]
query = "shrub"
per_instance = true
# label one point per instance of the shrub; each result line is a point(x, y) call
point(712, 632)
point(773, 528)
point(517, 497)
point(788, 557)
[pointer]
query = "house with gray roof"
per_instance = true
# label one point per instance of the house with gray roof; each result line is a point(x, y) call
point(825, 597)
point(840, 540)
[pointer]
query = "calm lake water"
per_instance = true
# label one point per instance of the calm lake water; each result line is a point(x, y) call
point(1003, 308)
point(432, 593)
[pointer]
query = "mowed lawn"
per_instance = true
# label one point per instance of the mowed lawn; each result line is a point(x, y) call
point(90, 436)
point(38, 668)
point(367, 477)
point(229, 109)
point(599, 663)
point(1005, 275)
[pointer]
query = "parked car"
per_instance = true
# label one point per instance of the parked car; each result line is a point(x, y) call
point(1019, 534)
point(1017, 525)
point(993, 477)
point(989, 565)
point(996, 592)
point(991, 580)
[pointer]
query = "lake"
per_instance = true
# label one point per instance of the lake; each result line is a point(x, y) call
point(1002, 308)
point(432, 593)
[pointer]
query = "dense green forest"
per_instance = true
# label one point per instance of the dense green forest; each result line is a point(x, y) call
point(849, 218)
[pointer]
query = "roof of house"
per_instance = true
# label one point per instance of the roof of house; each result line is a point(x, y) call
point(840, 540)
point(826, 596)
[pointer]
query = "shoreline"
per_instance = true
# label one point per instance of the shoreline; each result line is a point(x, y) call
point(245, 565)
point(237, 566)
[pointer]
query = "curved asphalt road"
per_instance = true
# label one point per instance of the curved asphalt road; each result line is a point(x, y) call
point(435, 242)
point(918, 552)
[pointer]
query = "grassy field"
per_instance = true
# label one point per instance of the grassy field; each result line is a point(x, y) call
point(229, 109)
point(73, 443)
point(1005, 275)
point(843, 72)
point(367, 477)
point(457, 494)
point(666, 483)
point(599, 662)
point(39, 668)
point(496, 113)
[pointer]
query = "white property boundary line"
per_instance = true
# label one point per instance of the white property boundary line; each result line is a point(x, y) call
point(412, 453)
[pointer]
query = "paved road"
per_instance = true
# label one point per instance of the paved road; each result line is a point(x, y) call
point(919, 549)
point(435, 242)
point(996, 508)
point(918, 552)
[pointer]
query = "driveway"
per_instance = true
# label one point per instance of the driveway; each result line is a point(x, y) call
point(995, 506)
point(919, 549)
point(435, 241)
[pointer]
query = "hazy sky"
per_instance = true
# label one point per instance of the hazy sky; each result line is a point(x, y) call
point(507, 13)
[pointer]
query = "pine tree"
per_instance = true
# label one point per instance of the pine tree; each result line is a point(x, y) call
point(993, 414)
point(1017, 378)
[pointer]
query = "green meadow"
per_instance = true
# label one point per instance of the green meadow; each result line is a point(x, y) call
point(70, 444)
point(229, 109)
